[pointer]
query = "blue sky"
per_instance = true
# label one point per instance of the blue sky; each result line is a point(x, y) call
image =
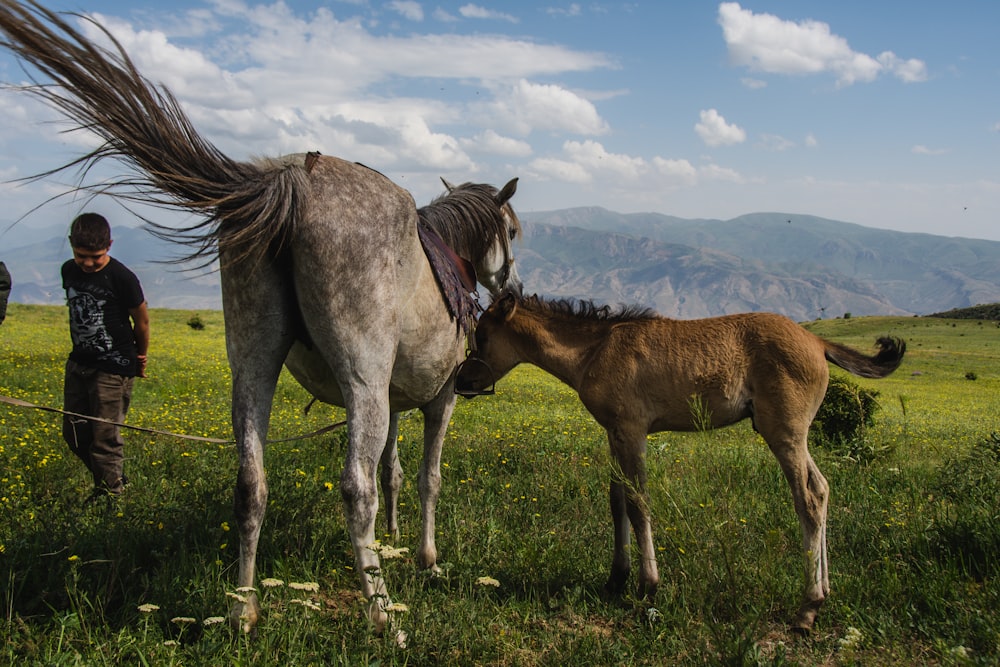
point(885, 113)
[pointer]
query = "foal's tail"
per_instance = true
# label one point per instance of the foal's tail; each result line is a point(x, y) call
point(250, 208)
point(888, 358)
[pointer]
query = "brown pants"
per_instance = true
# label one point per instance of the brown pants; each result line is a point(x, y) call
point(88, 391)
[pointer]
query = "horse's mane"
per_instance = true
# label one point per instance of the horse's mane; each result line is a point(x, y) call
point(584, 309)
point(467, 218)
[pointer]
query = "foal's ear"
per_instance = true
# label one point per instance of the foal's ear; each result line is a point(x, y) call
point(448, 186)
point(507, 304)
point(507, 192)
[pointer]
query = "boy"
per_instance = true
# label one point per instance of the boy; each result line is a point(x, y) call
point(109, 327)
point(4, 290)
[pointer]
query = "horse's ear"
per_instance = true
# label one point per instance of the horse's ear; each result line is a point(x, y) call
point(507, 192)
point(448, 186)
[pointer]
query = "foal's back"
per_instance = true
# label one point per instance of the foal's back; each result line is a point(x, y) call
point(661, 371)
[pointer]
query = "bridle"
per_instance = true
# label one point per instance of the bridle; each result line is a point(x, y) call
point(471, 360)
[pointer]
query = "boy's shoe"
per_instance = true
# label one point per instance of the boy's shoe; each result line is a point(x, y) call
point(104, 492)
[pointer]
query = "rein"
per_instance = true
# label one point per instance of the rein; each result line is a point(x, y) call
point(25, 404)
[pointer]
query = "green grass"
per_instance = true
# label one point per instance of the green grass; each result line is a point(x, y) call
point(914, 535)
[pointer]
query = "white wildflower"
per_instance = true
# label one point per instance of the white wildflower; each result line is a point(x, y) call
point(308, 586)
point(851, 639)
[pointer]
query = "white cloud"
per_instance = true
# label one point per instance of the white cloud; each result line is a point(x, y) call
point(444, 16)
point(775, 143)
point(573, 9)
point(713, 172)
point(559, 170)
point(752, 83)
point(593, 155)
point(489, 141)
point(766, 43)
point(526, 107)
point(924, 150)
point(408, 9)
point(715, 131)
point(811, 141)
point(471, 11)
point(681, 170)
point(284, 82)
point(909, 71)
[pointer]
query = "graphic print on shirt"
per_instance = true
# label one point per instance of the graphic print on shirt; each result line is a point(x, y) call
point(87, 326)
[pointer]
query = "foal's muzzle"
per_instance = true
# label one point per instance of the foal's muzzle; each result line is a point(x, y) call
point(474, 377)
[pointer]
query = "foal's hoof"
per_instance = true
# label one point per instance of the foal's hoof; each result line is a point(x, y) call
point(615, 586)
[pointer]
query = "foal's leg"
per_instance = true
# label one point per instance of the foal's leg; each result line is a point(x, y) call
point(392, 477)
point(628, 449)
point(257, 340)
point(810, 492)
point(436, 416)
point(621, 560)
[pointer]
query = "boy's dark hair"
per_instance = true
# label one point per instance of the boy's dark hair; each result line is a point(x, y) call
point(90, 231)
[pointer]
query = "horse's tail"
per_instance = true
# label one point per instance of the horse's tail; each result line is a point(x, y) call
point(888, 358)
point(251, 209)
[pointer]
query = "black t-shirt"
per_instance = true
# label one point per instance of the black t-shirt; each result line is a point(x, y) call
point(99, 323)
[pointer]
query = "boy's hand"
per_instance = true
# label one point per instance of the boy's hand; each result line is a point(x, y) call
point(142, 364)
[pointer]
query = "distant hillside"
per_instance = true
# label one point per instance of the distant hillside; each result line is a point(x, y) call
point(802, 266)
point(987, 311)
point(34, 269)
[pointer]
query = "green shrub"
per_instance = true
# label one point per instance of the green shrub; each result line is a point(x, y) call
point(195, 322)
point(841, 425)
point(966, 528)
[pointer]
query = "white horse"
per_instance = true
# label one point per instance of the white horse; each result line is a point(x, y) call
point(323, 270)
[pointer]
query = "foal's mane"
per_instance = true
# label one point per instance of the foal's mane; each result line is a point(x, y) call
point(467, 218)
point(584, 309)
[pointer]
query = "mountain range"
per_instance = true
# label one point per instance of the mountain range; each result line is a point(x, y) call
point(802, 266)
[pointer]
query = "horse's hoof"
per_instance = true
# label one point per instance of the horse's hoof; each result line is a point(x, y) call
point(377, 615)
point(243, 616)
point(806, 617)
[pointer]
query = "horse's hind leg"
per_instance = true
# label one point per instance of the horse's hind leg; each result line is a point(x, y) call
point(436, 416)
point(368, 417)
point(257, 340)
point(391, 477)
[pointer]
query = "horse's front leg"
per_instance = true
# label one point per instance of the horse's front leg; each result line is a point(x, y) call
point(368, 419)
point(392, 477)
point(437, 413)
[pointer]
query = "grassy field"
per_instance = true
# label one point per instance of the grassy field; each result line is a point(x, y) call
point(914, 534)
